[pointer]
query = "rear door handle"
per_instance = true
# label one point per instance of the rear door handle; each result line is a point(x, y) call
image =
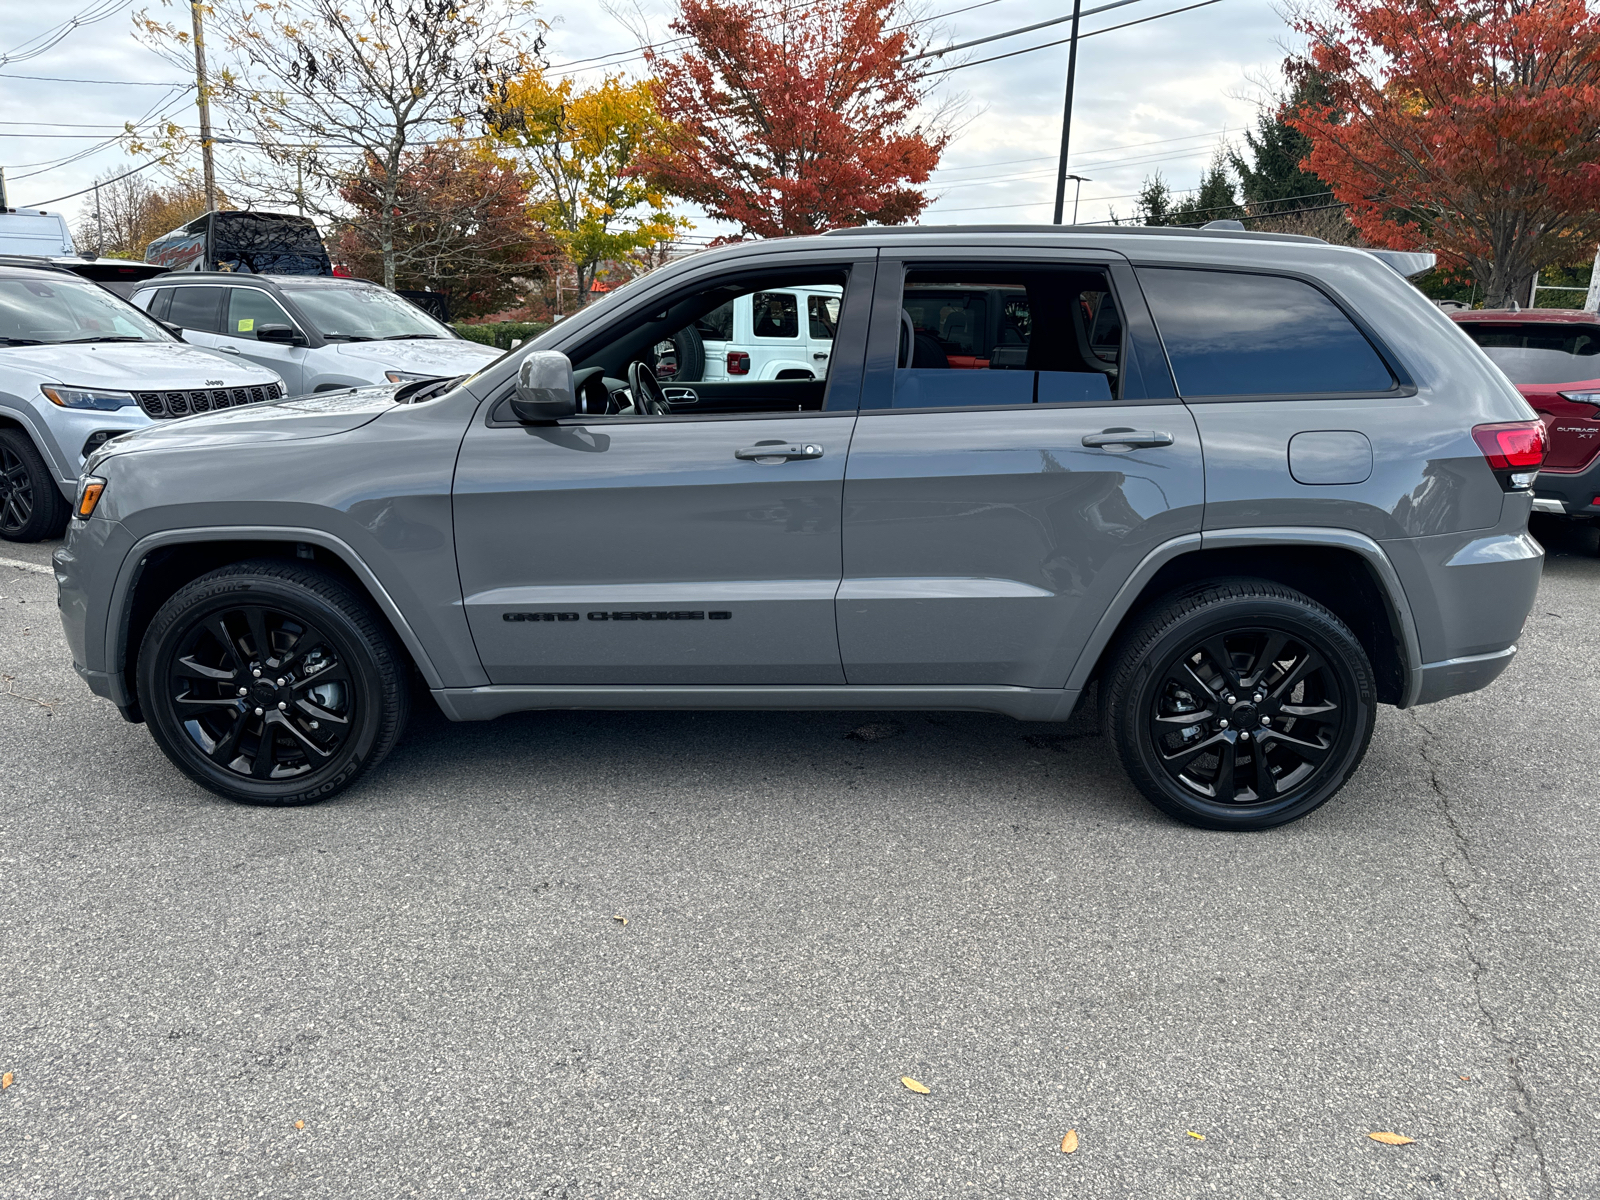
point(1118, 440)
point(819, 356)
point(777, 452)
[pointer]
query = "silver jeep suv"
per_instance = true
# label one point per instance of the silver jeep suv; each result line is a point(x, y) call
point(1253, 485)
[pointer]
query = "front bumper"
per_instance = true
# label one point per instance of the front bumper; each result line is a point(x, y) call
point(86, 566)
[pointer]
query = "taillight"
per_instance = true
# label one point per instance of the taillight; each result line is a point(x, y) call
point(1514, 450)
point(738, 362)
point(1512, 446)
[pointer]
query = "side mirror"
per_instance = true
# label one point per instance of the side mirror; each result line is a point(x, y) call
point(544, 391)
point(285, 335)
point(175, 330)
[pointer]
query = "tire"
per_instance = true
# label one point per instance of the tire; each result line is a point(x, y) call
point(328, 725)
point(1316, 708)
point(690, 352)
point(32, 507)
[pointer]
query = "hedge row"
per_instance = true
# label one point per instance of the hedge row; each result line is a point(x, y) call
point(502, 333)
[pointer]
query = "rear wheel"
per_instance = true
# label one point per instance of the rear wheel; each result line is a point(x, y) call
point(32, 508)
point(271, 683)
point(1240, 705)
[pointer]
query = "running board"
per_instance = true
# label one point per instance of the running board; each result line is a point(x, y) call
point(1025, 704)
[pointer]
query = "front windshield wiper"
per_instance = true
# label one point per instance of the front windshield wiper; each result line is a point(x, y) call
point(11, 341)
point(401, 337)
point(346, 337)
point(103, 337)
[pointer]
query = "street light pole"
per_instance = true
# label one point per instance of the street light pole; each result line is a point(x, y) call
point(1080, 180)
point(1066, 115)
point(204, 102)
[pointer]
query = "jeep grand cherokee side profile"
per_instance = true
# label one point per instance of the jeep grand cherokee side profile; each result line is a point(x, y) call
point(1254, 485)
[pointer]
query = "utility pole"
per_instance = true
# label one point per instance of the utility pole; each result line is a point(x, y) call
point(99, 226)
point(3, 205)
point(1066, 116)
point(299, 188)
point(203, 101)
point(1080, 180)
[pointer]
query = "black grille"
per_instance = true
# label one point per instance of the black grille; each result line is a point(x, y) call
point(161, 406)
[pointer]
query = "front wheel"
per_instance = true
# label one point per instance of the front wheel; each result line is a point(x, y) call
point(271, 683)
point(32, 508)
point(1240, 704)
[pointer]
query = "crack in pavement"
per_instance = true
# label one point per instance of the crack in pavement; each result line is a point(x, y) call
point(1522, 1096)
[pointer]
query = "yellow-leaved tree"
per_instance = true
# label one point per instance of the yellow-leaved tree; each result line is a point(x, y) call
point(579, 150)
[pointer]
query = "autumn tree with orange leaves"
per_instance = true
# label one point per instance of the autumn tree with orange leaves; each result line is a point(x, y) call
point(1471, 126)
point(795, 118)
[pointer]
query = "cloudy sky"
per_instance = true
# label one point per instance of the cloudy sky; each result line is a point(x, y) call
point(1160, 95)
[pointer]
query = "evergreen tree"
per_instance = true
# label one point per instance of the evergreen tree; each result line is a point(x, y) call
point(1154, 205)
point(1213, 201)
point(1272, 174)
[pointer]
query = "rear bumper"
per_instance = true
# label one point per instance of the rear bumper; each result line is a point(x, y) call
point(1458, 676)
point(1572, 495)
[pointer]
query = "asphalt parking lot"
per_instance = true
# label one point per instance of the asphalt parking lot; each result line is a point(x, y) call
point(423, 988)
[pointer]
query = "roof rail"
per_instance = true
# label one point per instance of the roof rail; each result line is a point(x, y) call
point(1096, 230)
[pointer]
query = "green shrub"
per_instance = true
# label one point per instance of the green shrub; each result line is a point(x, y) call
point(501, 334)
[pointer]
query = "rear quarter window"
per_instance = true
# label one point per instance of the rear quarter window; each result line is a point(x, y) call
point(1229, 333)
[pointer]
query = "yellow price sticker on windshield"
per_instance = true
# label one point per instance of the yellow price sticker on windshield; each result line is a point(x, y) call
point(247, 325)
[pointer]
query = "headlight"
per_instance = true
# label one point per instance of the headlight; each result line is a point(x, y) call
point(68, 397)
point(90, 489)
point(407, 376)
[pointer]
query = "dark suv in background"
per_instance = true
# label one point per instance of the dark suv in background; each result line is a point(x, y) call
point(1254, 485)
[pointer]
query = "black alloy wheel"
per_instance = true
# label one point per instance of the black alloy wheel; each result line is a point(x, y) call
point(271, 683)
point(32, 508)
point(1241, 705)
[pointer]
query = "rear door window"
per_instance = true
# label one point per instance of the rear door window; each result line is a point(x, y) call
point(1540, 352)
point(198, 308)
point(1229, 333)
point(775, 315)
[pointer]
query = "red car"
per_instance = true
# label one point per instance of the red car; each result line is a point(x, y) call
point(1553, 356)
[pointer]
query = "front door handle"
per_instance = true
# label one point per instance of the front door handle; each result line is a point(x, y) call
point(778, 452)
point(230, 350)
point(1120, 440)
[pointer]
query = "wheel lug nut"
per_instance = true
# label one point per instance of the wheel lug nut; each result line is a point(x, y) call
point(244, 691)
point(280, 682)
point(282, 707)
point(1266, 720)
point(1222, 724)
point(1228, 698)
point(1245, 736)
point(1258, 697)
point(260, 712)
point(314, 725)
point(256, 673)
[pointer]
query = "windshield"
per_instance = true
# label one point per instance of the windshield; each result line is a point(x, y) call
point(48, 312)
point(263, 243)
point(1541, 353)
point(346, 313)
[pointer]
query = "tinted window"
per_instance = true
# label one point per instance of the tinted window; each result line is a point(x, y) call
point(249, 309)
point(1022, 335)
point(774, 315)
point(1232, 334)
point(263, 243)
point(1540, 352)
point(717, 325)
point(196, 308)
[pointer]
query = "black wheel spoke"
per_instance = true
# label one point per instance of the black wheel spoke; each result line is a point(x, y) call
point(1266, 784)
point(226, 748)
point(198, 670)
point(309, 639)
point(315, 712)
point(262, 645)
point(266, 752)
point(1318, 712)
point(1309, 663)
point(1312, 752)
point(1222, 786)
point(1271, 652)
point(278, 722)
point(204, 702)
point(1180, 759)
point(1222, 661)
point(336, 672)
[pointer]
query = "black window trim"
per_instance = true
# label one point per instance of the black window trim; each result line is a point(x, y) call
point(1137, 321)
point(1404, 385)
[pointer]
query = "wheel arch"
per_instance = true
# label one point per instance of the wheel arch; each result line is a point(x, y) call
point(162, 563)
point(1346, 571)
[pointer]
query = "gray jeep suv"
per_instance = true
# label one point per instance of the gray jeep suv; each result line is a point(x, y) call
point(1253, 485)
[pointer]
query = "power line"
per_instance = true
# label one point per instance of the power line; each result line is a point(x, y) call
point(1006, 162)
point(978, 62)
point(52, 37)
point(100, 183)
point(119, 82)
point(995, 37)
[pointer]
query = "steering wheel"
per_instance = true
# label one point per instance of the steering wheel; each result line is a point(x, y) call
point(645, 388)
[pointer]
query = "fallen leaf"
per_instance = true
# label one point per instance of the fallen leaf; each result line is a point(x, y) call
point(1391, 1139)
point(920, 1089)
point(624, 920)
point(5, 1081)
point(873, 733)
point(1199, 1137)
point(1070, 1142)
point(299, 1124)
point(1466, 1079)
